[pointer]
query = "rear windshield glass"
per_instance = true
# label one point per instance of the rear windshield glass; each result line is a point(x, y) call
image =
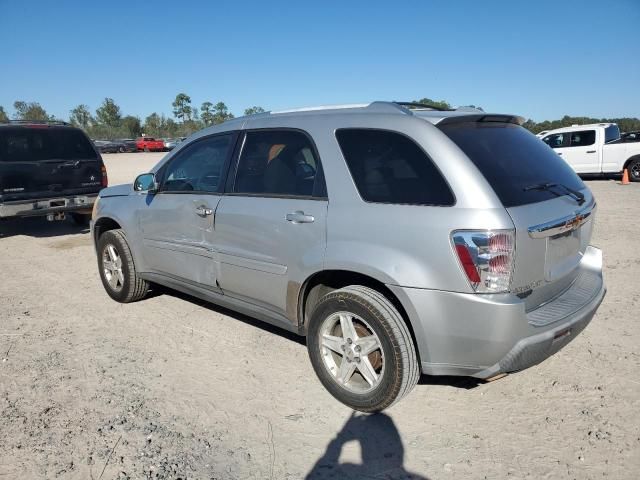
point(512, 159)
point(388, 167)
point(29, 144)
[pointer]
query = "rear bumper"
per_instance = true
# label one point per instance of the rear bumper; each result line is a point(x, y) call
point(485, 335)
point(44, 206)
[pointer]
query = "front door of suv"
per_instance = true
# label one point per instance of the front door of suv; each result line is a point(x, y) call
point(177, 223)
point(270, 224)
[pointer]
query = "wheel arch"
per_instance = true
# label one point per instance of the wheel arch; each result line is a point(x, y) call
point(104, 224)
point(324, 281)
point(629, 160)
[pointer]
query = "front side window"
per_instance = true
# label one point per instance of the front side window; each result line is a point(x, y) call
point(388, 167)
point(554, 141)
point(198, 168)
point(583, 138)
point(278, 162)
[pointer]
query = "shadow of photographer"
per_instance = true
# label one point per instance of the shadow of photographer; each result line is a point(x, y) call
point(381, 447)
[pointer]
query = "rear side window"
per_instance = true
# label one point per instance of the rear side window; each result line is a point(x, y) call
point(279, 163)
point(611, 133)
point(582, 139)
point(388, 167)
point(29, 144)
point(512, 159)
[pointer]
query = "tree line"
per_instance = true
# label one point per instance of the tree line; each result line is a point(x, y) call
point(108, 122)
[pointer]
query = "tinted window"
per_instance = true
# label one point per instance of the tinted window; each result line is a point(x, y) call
point(199, 167)
point(582, 139)
point(611, 133)
point(388, 167)
point(554, 141)
point(27, 144)
point(278, 162)
point(511, 159)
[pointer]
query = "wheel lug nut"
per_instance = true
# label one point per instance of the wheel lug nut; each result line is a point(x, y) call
point(358, 348)
point(349, 341)
point(357, 359)
point(342, 347)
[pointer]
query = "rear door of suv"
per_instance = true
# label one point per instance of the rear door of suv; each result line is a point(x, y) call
point(551, 208)
point(44, 161)
point(271, 223)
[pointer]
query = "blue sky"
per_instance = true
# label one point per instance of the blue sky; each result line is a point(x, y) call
point(538, 59)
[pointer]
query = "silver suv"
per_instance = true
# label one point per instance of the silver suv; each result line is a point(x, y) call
point(400, 239)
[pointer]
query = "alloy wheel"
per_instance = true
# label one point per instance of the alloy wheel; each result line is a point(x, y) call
point(351, 352)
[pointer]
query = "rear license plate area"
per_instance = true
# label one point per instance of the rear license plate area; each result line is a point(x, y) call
point(563, 254)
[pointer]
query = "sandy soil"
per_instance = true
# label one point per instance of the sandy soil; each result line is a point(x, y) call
point(172, 388)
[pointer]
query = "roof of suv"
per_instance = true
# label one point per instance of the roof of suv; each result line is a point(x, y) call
point(430, 113)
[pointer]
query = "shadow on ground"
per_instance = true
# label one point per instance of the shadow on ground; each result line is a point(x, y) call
point(381, 447)
point(39, 227)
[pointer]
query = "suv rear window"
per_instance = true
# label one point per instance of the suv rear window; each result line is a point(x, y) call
point(29, 144)
point(511, 159)
point(388, 167)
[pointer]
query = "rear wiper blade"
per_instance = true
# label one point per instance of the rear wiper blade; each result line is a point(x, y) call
point(576, 195)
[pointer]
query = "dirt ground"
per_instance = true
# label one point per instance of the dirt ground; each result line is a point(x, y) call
point(173, 388)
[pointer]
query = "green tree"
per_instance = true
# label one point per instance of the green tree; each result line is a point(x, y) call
point(3, 115)
point(221, 113)
point(81, 117)
point(253, 110)
point(182, 107)
point(152, 124)
point(435, 103)
point(30, 111)
point(109, 113)
point(206, 113)
point(131, 126)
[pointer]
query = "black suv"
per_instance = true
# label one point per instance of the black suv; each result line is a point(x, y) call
point(48, 169)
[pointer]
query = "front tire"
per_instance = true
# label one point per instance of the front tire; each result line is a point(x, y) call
point(361, 349)
point(117, 270)
point(634, 170)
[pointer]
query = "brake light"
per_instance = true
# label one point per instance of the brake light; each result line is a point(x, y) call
point(486, 257)
point(105, 178)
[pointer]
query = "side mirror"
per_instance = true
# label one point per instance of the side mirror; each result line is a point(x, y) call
point(146, 183)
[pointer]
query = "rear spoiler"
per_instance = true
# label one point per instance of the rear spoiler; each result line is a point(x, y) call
point(482, 117)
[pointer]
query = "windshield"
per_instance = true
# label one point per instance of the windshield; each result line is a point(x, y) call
point(512, 159)
point(28, 144)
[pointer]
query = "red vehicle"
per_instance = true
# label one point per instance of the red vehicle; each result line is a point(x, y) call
point(149, 144)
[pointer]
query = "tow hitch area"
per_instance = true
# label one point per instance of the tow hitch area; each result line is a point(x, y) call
point(52, 217)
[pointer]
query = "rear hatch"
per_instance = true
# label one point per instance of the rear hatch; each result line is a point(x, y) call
point(41, 161)
point(550, 206)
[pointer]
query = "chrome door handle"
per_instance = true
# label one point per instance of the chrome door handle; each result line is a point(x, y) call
point(204, 211)
point(299, 217)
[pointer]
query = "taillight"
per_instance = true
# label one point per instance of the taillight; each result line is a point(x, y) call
point(486, 257)
point(105, 179)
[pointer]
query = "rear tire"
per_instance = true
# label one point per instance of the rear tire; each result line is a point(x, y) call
point(117, 270)
point(633, 169)
point(81, 219)
point(381, 361)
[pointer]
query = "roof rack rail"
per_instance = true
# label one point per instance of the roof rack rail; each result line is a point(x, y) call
point(37, 122)
point(422, 105)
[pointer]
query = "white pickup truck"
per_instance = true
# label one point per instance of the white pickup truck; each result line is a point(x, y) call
point(595, 149)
